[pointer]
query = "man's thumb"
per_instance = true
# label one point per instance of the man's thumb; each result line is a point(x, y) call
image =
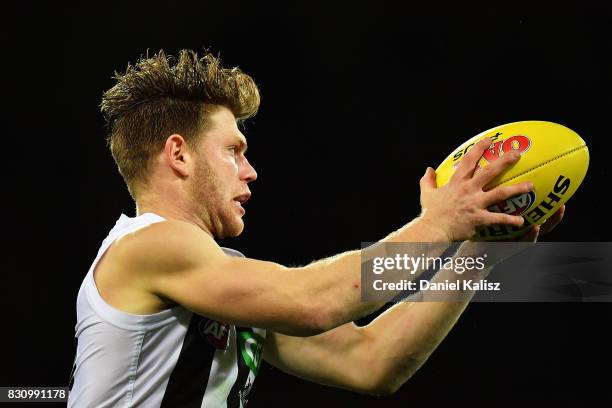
point(428, 180)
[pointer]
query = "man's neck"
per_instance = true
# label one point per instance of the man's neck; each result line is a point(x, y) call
point(171, 213)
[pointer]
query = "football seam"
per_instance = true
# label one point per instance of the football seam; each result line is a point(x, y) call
point(541, 164)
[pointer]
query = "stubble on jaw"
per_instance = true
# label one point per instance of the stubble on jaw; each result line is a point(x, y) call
point(209, 202)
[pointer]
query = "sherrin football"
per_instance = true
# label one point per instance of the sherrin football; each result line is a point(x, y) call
point(554, 158)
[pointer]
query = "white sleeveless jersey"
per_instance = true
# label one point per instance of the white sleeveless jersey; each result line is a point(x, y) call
point(174, 358)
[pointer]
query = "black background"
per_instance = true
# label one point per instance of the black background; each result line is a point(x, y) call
point(356, 102)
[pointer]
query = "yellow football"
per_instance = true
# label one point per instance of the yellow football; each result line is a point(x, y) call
point(554, 158)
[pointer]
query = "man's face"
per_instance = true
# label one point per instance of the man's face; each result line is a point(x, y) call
point(221, 175)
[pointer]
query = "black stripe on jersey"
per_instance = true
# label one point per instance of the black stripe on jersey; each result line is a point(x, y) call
point(233, 399)
point(187, 383)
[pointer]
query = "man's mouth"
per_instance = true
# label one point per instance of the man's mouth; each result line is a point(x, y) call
point(241, 199)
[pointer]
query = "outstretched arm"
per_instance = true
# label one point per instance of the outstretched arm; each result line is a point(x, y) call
point(380, 357)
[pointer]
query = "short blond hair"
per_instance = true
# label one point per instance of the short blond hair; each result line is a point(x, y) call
point(160, 96)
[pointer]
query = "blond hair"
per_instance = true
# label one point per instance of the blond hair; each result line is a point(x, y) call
point(160, 96)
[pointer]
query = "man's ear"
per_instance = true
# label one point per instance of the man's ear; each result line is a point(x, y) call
point(176, 154)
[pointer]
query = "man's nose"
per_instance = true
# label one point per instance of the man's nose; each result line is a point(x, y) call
point(249, 173)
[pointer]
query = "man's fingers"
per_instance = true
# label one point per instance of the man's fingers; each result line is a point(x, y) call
point(492, 170)
point(492, 218)
point(532, 234)
point(503, 193)
point(428, 181)
point(467, 165)
point(553, 221)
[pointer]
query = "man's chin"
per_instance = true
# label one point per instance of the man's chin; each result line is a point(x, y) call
point(233, 229)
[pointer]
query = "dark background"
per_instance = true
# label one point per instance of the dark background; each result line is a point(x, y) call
point(357, 101)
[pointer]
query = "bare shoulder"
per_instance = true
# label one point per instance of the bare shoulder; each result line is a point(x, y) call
point(166, 246)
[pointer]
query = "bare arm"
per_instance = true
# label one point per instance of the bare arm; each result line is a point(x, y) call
point(177, 261)
point(380, 357)
point(375, 359)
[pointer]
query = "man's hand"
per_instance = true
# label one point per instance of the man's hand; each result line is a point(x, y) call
point(537, 230)
point(497, 253)
point(459, 207)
